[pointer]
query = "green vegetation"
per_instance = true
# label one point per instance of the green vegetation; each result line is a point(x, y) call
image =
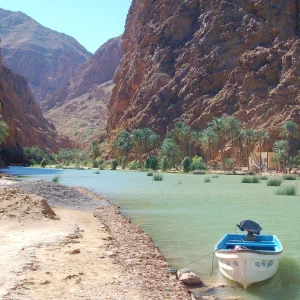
point(263, 177)
point(289, 177)
point(250, 179)
point(44, 163)
point(215, 176)
point(186, 164)
point(134, 165)
point(158, 177)
point(274, 182)
point(287, 190)
point(150, 174)
point(198, 172)
point(207, 179)
point(114, 164)
point(56, 179)
point(124, 162)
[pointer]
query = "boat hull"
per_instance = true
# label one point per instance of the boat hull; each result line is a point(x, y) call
point(247, 266)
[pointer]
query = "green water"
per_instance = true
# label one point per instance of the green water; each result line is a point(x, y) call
point(186, 217)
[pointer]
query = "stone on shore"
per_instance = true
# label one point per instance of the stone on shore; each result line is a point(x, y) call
point(188, 278)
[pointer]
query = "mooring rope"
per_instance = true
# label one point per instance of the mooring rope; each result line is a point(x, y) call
point(213, 252)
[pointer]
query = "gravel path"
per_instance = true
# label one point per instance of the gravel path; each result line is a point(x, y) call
point(60, 195)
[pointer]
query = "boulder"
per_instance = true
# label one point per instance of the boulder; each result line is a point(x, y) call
point(188, 278)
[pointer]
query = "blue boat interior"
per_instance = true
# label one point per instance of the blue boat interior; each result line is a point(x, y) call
point(239, 242)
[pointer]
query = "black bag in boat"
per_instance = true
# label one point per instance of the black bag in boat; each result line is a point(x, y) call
point(250, 226)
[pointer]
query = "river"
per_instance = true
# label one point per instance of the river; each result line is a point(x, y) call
point(186, 216)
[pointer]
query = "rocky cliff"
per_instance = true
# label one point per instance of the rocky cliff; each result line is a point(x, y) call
point(43, 56)
point(27, 126)
point(196, 59)
point(79, 108)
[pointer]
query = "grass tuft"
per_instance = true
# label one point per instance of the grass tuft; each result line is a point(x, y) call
point(215, 176)
point(97, 172)
point(56, 179)
point(158, 177)
point(255, 179)
point(289, 177)
point(263, 177)
point(150, 174)
point(287, 190)
point(274, 182)
point(207, 179)
point(247, 179)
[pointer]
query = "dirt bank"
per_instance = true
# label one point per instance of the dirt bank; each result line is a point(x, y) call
point(76, 254)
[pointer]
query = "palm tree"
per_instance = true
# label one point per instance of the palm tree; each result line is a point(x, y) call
point(261, 136)
point(196, 140)
point(170, 149)
point(124, 143)
point(137, 137)
point(250, 139)
point(150, 140)
point(182, 133)
point(289, 130)
point(233, 126)
point(208, 139)
point(218, 124)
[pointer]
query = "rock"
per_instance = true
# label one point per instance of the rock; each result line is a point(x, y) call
point(192, 61)
point(74, 251)
point(110, 254)
point(46, 58)
point(188, 277)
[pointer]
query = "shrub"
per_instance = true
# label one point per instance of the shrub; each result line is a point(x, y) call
point(263, 177)
point(289, 177)
point(255, 179)
point(207, 179)
point(151, 162)
point(287, 190)
point(158, 177)
point(274, 182)
point(198, 163)
point(114, 164)
point(124, 161)
point(186, 164)
point(215, 176)
point(247, 179)
point(150, 174)
point(44, 163)
point(97, 172)
point(164, 163)
point(56, 179)
point(198, 172)
point(134, 165)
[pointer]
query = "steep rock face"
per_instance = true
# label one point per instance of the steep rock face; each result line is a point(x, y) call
point(193, 60)
point(27, 126)
point(79, 108)
point(43, 56)
point(99, 68)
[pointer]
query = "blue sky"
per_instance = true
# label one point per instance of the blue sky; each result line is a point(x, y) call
point(90, 22)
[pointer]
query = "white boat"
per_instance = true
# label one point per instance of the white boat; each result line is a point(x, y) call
point(248, 258)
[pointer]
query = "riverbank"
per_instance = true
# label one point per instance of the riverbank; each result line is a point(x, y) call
point(81, 252)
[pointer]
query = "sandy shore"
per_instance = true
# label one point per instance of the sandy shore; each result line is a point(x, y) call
point(73, 254)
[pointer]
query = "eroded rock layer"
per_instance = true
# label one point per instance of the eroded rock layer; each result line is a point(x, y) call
point(27, 126)
point(79, 108)
point(196, 59)
point(46, 58)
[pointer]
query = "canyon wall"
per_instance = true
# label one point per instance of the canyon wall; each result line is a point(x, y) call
point(27, 126)
point(79, 108)
point(198, 59)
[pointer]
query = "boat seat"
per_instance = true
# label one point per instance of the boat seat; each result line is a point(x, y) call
point(253, 244)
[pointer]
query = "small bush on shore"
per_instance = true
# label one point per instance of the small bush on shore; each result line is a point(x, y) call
point(263, 177)
point(274, 182)
point(215, 176)
point(186, 164)
point(134, 165)
point(56, 179)
point(158, 177)
point(97, 172)
point(287, 190)
point(207, 179)
point(114, 164)
point(255, 179)
point(44, 163)
point(289, 177)
point(150, 174)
